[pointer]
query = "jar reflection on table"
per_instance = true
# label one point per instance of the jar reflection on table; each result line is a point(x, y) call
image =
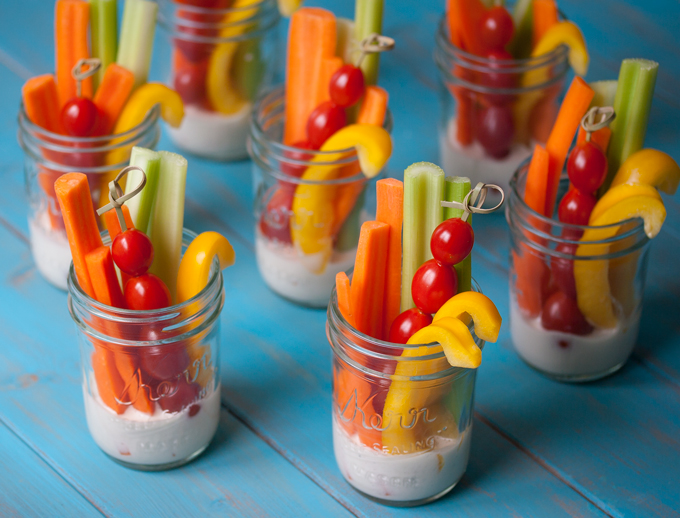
point(47, 156)
point(300, 268)
point(220, 59)
point(151, 382)
point(554, 274)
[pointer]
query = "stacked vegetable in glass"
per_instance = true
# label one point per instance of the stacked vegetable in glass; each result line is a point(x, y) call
point(577, 283)
point(89, 114)
point(403, 376)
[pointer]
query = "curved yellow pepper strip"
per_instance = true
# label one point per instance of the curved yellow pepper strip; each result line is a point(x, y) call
point(197, 261)
point(222, 94)
point(483, 311)
point(649, 167)
point(592, 276)
point(142, 100)
point(619, 193)
point(313, 214)
point(288, 7)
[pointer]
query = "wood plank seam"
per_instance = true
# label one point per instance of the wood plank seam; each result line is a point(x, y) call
point(15, 66)
point(14, 231)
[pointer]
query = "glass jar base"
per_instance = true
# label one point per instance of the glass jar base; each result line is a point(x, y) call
point(407, 503)
point(157, 467)
point(577, 378)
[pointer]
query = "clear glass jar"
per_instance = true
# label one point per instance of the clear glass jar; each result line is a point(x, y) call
point(151, 381)
point(304, 276)
point(477, 93)
point(219, 60)
point(549, 263)
point(402, 424)
point(47, 156)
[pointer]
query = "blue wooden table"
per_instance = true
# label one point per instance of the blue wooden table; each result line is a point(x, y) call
point(540, 448)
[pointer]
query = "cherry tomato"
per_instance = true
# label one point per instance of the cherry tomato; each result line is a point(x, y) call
point(561, 313)
point(497, 78)
point(296, 170)
point(132, 252)
point(575, 207)
point(193, 25)
point(275, 218)
point(495, 130)
point(563, 269)
point(164, 362)
point(587, 167)
point(452, 241)
point(326, 119)
point(189, 82)
point(175, 395)
point(347, 86)
point(407, 324)
point(79, 117)
point(146, 292)
point(497, 28)
point(433, 284)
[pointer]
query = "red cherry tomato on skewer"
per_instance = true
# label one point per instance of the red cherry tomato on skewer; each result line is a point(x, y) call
point(498, 78)
point(433, 284)
point(575, 207)
point(347, 86)
point(452, 241)
point(79, 117)
point(407, 324)
point(497, 28)
point(296, 170)
point(561, 313)
point(563, 269)
point(587, 167)
point(495, 130)
point(146, 292)
point(132, 252)
point(275, 218)
point(326, 119)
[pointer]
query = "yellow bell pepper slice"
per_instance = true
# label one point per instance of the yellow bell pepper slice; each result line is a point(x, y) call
point(288, 7)
point(222, 94)
point(592, 276)
point(619, 193)
point(487, 320)
point(649, 167)
point(197, 261)
point(313, 214)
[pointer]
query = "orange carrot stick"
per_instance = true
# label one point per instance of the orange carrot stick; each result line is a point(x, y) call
point(75, 201)
point(41, 102)
point(311, 39)
point(390, 210)
point(112, 95)
point(344, 299)
point(531, 280)
point(573, 108)
point(600, 137)
point(71, 25)
point(328, 67)
point(454, 24)
point(128, 366)
point(112, 224)
point(368, 282)
point(109, 383)
point(469, 14)
point(544, 16)
point(103, 276)
point(374, 106)
point(536, 186)
point(46, 179)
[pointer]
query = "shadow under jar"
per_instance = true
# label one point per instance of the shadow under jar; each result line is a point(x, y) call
point(493, 111)
point(47, 156)
point(220, 60)
point(402, 416)
point(306, 231)
point(575, 301)
point(151, 381)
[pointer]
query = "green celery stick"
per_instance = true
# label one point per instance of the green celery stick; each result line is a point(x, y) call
point(103, 34)
point(522, 15)
point(167, 221)
point(423, 193)
point(248, 68)
point(346, 47)
point(136, 38)
point(368, 19)
point(632, 104)
point(456, 188)
point(493, 3)
point(141, 205)
point(605, 92)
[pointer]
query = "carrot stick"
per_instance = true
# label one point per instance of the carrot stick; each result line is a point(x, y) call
point(373, 106)
point(390, 210)
point(453, 22)
point(368, 282)
point(41, 102)
point(344, 298)
point(469, 15)
point(311, 39)
point(72, 22)
point(545, 16)
point(75, 201)
point(46, 179)
point(103, 276)
point(112, 95)
point(465, 116)
point(327, 68)
point(536, 189)
point(600, 137)
point(574, 107)
point(109, 383)
point(112, 224)
point(128, 366)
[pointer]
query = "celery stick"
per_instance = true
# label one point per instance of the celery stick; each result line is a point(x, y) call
point(346, 47)
point(165, 227)
point(456, 188)
point(423, 193)
point(605, 92)
point(368, 19)
point(522, 15)
point(103, 34)
point(632, 104)
point(136, 38)
point(141, 205)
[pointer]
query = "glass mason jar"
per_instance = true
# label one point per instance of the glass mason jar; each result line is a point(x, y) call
point(47, 156)
point(402, 424)
point(298, 264)
point(492, 111)
point(575, 302)
point(151, 380)
point(220, 60)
